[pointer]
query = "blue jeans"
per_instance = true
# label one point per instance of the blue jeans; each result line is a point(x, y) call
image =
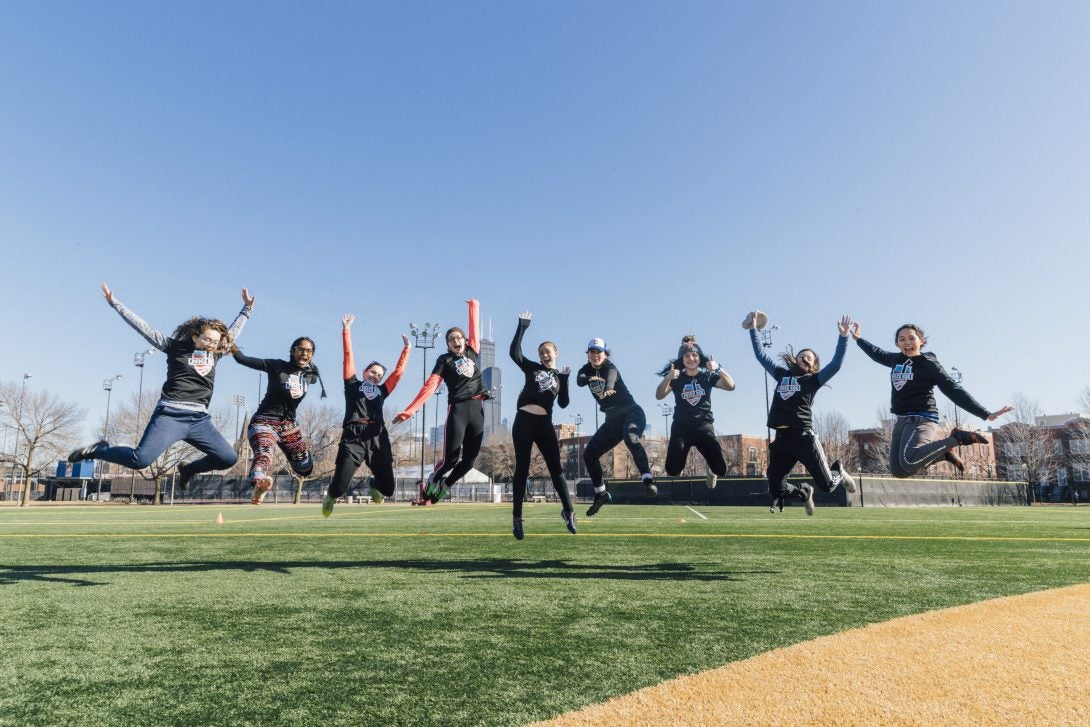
point(167, 426)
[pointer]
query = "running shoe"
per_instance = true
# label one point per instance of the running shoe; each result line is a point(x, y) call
point(650, 487)
point(88, 452)
point(184, 476)
point(516, 529)
point(432, 489)
point(327, 505)
point(808, 490)
point(376, 496)
point(845, 479)
point(569, 520)
point(601, 498)
point(964, 437)
point(711, 480)
point(262, 485)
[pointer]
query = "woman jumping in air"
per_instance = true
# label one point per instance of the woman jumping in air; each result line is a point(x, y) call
point(797, 382)
point(273, 424)
point(625, 422)
point(192, 351)
point(916, 442)
point(460, 370)
point(691, 377)
point(534, 422)
point(364, 439)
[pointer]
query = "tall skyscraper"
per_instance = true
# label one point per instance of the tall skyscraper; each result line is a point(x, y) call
point(493, 381)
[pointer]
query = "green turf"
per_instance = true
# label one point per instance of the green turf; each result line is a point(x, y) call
point(120, 615)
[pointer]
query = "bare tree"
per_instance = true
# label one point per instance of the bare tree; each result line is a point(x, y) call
point(1025, 450)
point(321, 429)
point(45, 429)
point(832, 430)
point(127, 424)
point(497, 458)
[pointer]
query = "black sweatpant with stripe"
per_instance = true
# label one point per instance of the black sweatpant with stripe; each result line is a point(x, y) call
point(790, 447)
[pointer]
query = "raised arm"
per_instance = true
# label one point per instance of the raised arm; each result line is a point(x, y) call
point(152, 336)
point(960, 396)
point(516, 342)
point(258, 364)
point(399, 369)
point(474, 324)
point(348, 364)
point(425, 392)
point(235, 329)
point(831, 368)
point(766, 363)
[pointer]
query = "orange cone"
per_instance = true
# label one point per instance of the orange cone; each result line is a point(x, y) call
point(219, 518)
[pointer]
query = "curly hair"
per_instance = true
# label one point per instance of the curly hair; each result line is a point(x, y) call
point(791, 361)
point(197, 325)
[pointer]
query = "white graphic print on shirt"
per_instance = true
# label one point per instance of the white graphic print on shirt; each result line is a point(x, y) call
point(597, 387)
point(545, 380)
point(202, 362)
point(296, 385)
point(369, 390)
point(789, 386)
point(464, 366)
point(692, 392)
point(901, 375)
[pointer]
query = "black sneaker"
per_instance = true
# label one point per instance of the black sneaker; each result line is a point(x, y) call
point(88, 452)
point(965, 437)
point(569, 520)
point(516, 529)
point(601, 498)
point(650, 487)
point(845, 479)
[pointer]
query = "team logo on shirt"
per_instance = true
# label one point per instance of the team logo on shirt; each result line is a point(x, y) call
point(296, 385)
point(546, 381)
point(464, 366)
point(370, 390)
point(901, 375)
point(692, 392)
point(202, 362)
point(789, 386)
point(597, 387)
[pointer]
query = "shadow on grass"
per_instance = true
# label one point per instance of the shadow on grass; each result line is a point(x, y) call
point(84, 575)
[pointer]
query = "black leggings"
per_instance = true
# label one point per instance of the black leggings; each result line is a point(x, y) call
point(359, 445)
point(462, 439)
point(684, 437)
point(790, 447)
point(528, 430)
point(620, 426)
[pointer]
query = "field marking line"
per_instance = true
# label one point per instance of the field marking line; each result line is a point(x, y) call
point(704, 536)
point(695, 512)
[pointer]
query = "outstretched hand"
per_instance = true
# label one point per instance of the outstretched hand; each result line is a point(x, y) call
point(405, 341)
point(845, 325)
point(996, 414)
point(855, 330)
point(247, 299)
point(347, 320)
point(401, 418)
point(107, 293)
point(525, 315)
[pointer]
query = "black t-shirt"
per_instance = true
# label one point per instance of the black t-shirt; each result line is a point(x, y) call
point(543, 385)
point(461, 374)
point(287, 385)
point(364, 400)
point(608, 378)
point(913, 380)
point(190, 373)
point(692, 397)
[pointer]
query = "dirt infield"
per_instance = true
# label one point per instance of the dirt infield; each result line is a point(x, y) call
point(1023, 660)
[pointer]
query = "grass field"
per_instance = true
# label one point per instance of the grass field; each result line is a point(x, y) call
point(388, 614)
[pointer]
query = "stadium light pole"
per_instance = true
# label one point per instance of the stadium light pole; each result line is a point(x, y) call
point(577, 419)
point(435, 439)
point(424, 338)
point(238, 401)
point(667, 410)
point(108, 387)
point(138, 362)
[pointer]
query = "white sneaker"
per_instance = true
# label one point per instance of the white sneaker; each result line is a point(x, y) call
point(711, 480)
point(809, 504)
point(845, 479)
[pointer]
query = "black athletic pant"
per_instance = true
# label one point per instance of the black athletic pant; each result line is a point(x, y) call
point(625, 426)
point(462, 439)
point(684, 437)
point(790, 447)
point(360, 444)
point(528, 430)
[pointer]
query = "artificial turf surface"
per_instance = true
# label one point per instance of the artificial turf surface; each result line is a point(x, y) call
point(396, 615)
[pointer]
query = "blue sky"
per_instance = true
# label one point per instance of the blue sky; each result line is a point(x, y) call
point(630, 170)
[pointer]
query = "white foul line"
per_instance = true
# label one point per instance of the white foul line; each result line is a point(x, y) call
point(698, 514)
